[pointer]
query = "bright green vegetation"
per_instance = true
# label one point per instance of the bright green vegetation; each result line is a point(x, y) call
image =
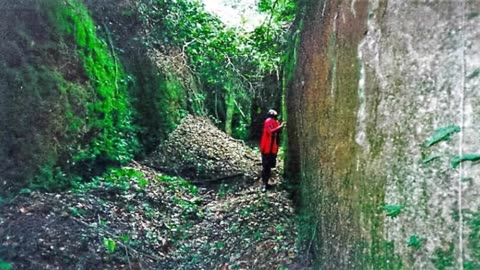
point(76, 105)
point(230, 63)
point(444, 258)
point(441, 134)
point(414, 242)
point(5, 265)
point(381, 255)
point(473, 223)
point(109, 112)
point(178, 184)
point(456, 160)
point(102, 88)
point(109, 245)
point(121, 179)
point(393, 210)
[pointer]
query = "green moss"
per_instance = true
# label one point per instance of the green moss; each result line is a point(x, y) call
point(444, 258)
point(109, 113)
point(380, 255)
point(473, 224)
point(375, 140)
point(470, 265)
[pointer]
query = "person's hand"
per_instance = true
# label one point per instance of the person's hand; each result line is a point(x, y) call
point(284, 124)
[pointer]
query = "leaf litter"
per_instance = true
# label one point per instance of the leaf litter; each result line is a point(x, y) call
point(138, 218)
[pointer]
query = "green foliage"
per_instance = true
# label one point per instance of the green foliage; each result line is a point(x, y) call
point(77, 212)
point(470, 265)
point(219, 245)
point(307, 225)
point(229, 62)
point(109, 120)
point(456, 160)
point(393, 210)
point(178, 184)
point(415, 242)
point(125, 238)
point(473, 223)
point(444, 259)
point(5, 265)
point(241, 131)
point(442, 134)
point(109, 245)
point(117, 178)
point(52, 178)
point(224, 190)
point(280, 10)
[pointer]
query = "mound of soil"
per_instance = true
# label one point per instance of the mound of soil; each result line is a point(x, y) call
point(198, 150)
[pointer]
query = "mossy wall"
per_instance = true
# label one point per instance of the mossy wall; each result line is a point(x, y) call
point(374, 105)
point(72, 103)
point(157, 80)
point(43, 95)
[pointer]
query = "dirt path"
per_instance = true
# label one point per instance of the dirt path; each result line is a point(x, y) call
point(135, 218)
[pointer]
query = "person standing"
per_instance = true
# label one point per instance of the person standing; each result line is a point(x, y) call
point(269, 146)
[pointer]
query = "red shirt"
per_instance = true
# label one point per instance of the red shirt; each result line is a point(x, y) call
point(269, 141)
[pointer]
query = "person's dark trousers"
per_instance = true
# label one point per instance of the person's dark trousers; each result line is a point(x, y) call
point(269, 161)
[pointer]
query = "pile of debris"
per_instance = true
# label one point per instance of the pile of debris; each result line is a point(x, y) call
point(198, 150)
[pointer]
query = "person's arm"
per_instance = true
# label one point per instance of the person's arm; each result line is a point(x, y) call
point(272, 130)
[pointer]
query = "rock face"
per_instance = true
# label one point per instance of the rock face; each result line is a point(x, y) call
point(385, 101)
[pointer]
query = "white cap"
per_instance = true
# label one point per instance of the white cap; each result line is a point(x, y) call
point(272, 112)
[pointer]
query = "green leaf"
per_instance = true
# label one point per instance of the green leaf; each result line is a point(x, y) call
point(467, 179)
point(442, 134)
point(142, 182)
point(415, 242)
point(109, 245)
point(459, 159)
point(219, 244)
point(77, 212)
point(125, 238)
point(393, 210)
point(25, 191)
